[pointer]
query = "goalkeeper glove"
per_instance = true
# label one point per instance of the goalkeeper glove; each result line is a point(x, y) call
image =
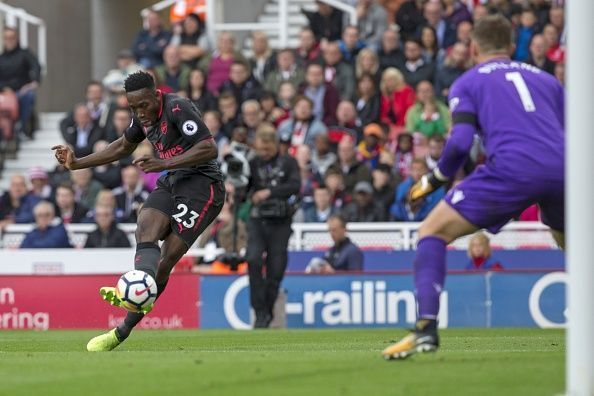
point(427, 184)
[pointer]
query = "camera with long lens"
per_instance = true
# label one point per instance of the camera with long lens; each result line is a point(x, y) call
point(236, 167)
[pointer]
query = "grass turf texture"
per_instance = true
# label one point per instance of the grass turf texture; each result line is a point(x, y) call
point(293, 362)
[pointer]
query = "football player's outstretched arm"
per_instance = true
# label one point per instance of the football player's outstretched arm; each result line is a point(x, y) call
point(116, 150)
point(203, 151)
point(453, 157)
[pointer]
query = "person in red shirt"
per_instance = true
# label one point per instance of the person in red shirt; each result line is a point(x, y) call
point(479, 252)
point(397, 98)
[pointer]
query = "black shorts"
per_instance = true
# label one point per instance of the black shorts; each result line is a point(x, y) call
point(191, 201)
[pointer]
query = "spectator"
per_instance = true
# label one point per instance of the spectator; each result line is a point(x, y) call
point(371, 147)
point(108, 175)
point(346, 124)
point(324, 96)
point(428, 116)
point(286, 95)
point(217, 65)
point(251, 118)
point(39, 183)
point(554, 51)
point(409, 17)
point(343, 256)
point(229, 112)
point(372, 21)
point(479, 11)
point(45, 235)
point(456, 12)
point(83, 134)
point(212, 120)
point(480, 254)
point(101, 110)
point(16, 205)
point(302, 127)
point(334, 180)
point(368, 63)
point(397, 97)
point(560, 72)
point(20, 73)
point(384, 184)
point(58, 175)
point(173, 73)
point(454, 65)
point(121, 121)
point(197, 92)
point(191, 39)
point(271, 111)
point(322, 208)
point(363, 208)
point(286, 70)
point(538, 55)
point(262, 61)
point(322, 158)
point(126, 65)
point(433, 14)
point(350, 45)
point(416, 68)
point(308, 50)
point(85, 188)
point(524, 34)
point(403, 155)
point(367, 100)
point(403, 209)
point(325, 23)
point(338, 72)
point(107, 234)
point(435, 145)
point(429, 49)
point(104, 198)
point(241, 83)
point(464, 32)
point(67, 209)
point(309, 179)
point(557, 19)
point(541, 10)
point(130, 195)
point(390, 54)
point(353, 171)
point(149, 44)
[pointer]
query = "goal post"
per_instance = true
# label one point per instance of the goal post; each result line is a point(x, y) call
point(579, 191)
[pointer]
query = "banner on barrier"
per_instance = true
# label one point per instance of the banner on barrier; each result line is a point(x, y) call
point(473, 300)
point(53, 302)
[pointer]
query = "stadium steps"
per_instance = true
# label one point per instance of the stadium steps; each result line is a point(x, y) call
point(295, 18)
point(35, 152)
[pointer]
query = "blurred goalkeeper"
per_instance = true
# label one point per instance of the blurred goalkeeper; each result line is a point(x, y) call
point(517, 109)
point(188, 197)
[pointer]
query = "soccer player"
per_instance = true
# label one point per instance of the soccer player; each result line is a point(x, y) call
point(188, 197)
point(518, 111)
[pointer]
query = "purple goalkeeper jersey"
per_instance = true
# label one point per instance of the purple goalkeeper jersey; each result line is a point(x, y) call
point(519, 112)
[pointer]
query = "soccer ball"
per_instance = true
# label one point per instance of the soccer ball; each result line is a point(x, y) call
point(137, 290)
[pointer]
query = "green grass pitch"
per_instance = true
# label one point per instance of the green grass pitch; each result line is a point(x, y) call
point(282, 362)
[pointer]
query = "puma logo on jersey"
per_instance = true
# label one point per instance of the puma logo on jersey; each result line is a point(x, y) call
point(457, 196)
point(176, 108)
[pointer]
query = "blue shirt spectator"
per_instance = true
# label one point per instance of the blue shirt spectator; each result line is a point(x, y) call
point(46, 235)
point(343, 256)
point(149, 43)
point(404, 210)
point(16, 205)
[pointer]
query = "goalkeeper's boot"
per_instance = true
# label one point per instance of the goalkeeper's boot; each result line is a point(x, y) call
point(109, 294)
point(104, 342)
point(423, 338)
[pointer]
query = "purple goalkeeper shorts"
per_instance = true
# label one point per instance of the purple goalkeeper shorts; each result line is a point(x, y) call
point(489, 199)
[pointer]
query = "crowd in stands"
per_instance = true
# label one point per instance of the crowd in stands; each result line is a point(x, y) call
point(362, 108)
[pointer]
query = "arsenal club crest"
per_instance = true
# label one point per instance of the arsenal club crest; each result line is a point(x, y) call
point(164, 127)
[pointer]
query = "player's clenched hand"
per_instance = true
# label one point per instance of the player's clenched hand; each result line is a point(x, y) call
point(150, 164)
point(425, 186)
point(65, 156)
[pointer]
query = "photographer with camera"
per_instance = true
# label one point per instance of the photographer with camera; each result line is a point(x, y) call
point(273, 190)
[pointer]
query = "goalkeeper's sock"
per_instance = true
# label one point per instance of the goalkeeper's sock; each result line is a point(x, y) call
point(147, 258)
point(133, 318)
point(430, 268)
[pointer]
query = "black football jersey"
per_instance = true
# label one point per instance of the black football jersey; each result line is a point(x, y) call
point(179, 128)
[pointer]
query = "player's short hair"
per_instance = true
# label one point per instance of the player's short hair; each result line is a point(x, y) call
point(493, 33)
point(139, 80)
